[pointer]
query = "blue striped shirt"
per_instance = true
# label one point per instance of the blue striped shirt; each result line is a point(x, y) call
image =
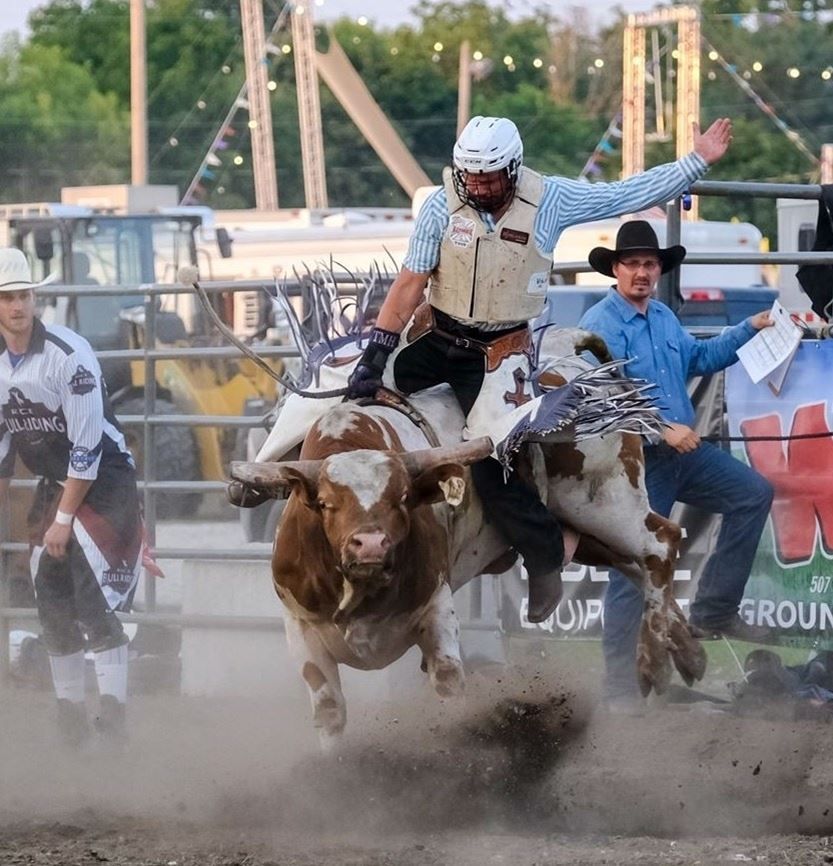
point(564, 203)
point(661, 351)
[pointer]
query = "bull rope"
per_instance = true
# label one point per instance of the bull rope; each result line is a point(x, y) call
point(767, 438)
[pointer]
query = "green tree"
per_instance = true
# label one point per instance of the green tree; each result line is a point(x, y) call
point(562, 85)
point(56, 128)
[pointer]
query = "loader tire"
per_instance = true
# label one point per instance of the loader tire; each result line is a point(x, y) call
point(177, 457)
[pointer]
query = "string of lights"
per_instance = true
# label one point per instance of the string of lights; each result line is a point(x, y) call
point(226, 130)
point(605, 147)
point(219, 140)
point(743, 83)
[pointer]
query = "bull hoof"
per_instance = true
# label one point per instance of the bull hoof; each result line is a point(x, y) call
point(447, 677)
point(329, 743)
point(329, 717)
point(656, 678)
point(688, 654)
point(653, 664)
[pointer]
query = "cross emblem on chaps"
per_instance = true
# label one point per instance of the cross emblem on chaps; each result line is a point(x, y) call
point(517, 397)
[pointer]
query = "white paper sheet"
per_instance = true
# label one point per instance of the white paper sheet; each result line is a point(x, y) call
point(768, 354)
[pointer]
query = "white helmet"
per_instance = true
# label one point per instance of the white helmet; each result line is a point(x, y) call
point(488, 144)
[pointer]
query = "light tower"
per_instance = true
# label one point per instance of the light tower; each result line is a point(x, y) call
point(687, 19)
point(260, 111)
point(309, 106)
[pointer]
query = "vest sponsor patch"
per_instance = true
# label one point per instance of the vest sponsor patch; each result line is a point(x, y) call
point(538, 283)
point(461, 231)
point(82, 382)
point(81, 458)
point(514, 236)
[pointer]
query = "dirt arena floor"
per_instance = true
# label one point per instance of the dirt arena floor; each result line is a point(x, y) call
point(524, 770)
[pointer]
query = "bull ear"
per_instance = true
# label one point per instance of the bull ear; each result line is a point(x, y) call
point(298, 482)
point(445, 482)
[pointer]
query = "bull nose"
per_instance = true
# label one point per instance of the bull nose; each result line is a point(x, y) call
point(368, 546)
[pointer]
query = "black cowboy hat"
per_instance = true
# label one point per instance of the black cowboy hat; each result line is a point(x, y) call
point(633, 236)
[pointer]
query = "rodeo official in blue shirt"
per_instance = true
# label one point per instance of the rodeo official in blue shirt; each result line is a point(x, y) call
point(85, 527)
point(681, 467)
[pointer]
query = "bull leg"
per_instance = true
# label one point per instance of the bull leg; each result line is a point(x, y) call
point(687, 652)
point(438, 636)
point(320, 673)
point(664, 629)
point(653, 665)
point(648, 566)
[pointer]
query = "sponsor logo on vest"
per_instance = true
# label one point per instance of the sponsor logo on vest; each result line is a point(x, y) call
point(81, 458)
point(514, 236)
point(461, 231)
point(538, 284)
point(82, 382)
point(24, 416)
point(118, 579)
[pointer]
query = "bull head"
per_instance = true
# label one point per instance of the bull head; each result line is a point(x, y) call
point(365, 501)
point(277, 480)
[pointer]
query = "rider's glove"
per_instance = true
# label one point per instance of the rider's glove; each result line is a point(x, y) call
point(366, 379)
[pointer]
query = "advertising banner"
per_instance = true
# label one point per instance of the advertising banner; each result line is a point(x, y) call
point(791, 585)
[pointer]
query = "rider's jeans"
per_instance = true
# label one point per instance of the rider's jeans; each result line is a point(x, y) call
point(514, 506)
point(713, 480)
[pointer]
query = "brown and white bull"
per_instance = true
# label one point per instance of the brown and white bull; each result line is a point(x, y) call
point(370, 549)
point(362, 557)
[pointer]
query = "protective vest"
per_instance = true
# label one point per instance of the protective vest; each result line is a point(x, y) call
point(497, 276)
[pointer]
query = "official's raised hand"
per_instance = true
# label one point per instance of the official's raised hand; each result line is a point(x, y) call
point(715, 141)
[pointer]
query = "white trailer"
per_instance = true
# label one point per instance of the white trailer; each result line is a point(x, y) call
point(796, 233)
point(575, 244)
point(276, 244)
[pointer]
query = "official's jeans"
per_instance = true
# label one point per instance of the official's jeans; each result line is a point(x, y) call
point(713, 480)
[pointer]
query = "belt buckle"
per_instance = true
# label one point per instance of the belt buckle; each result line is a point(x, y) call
point(462, 342)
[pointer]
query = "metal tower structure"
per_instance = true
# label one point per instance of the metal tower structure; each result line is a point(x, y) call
point(336, 71)
point(687, 19)
point(309, 105)
point(138, 95)
point(633, 100)
point(260, 111)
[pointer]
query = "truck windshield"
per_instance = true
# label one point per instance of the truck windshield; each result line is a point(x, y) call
point(124, 251)
point(128, 251)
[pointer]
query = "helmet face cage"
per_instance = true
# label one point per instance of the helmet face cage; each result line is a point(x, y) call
point(486, 191)
point(487, 158)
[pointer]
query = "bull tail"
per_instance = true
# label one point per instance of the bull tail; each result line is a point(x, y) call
point(593, 343)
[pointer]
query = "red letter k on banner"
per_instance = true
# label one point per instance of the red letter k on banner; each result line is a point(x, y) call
point(802, 478)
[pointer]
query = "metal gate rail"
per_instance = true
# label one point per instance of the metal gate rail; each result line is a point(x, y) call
point(147, 295)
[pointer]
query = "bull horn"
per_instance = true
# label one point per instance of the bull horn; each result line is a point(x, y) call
point(462, 453)
point(271, 476)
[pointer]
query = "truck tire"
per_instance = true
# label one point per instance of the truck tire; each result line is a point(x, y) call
point(177, 457)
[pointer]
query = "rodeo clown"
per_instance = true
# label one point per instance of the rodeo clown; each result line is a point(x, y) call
point(85, 530)
point(482, 246)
